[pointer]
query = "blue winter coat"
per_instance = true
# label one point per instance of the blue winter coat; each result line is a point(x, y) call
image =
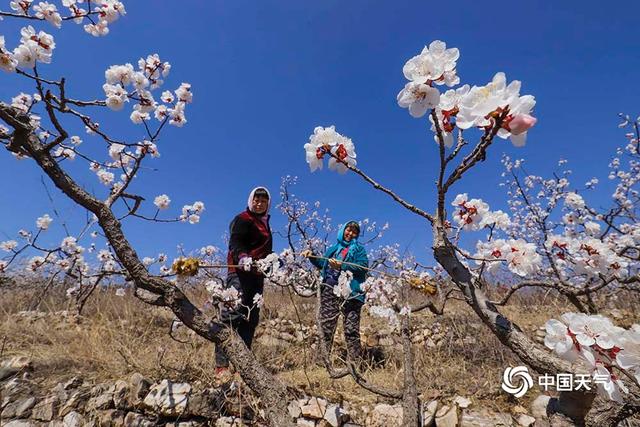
point(357, 254)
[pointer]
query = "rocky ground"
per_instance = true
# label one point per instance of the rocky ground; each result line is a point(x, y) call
point(126, 364)
point(137, 401)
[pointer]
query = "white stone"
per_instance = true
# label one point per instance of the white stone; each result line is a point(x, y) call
point(462, 402)
point(24, 407)
point(384, 415)
point(316, 408)
point(335, 416)
point(429, 413)
point(45, 410)
point(484, 419)
point(539, 407)
point(20, 423)
point(73, 419)
point(137, 420)
point(168, 398)
point(294, 409)
point(120, 394)
point(447, 416)
point(525, 420)
point(101, 401)
point(229, 422)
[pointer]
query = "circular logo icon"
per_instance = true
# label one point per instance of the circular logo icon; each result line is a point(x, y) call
point(517, 381)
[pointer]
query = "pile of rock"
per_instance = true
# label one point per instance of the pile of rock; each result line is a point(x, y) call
point(456, 413)
point(138, 402)
point(379, 336)
point(317, 412)
point(135, 401)
point(282, 332)
point(432, 335)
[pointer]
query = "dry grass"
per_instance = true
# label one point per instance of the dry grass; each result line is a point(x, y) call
point(120, 335)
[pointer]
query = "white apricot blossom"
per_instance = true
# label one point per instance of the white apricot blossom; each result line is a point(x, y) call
point(574, 201)
point(418, 98)
point(258, 300)
point(326, 141)
point(162, 201)
point(601, 344)
point(105, 176)
point(558, 339)
point(343, 288)
point(49, 12)
point(21, 7)
point(8, 62)
point(22, 102)
point(521, 257)
point(629, 356)
point(435, 64)
point(43, 222)
point(246, 263)
point(470, 213)
point(34, 47)
point(8, 245)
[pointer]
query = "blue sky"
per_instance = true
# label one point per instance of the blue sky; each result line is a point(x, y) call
point(264, 74)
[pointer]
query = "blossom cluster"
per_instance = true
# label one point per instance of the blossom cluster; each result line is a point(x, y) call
point(192, 212)
point(123, 84)
point(343, 288)
point(464, 107)
point(384, 289)
point(122, 157)
point(497, 104)
point(38, 47)
point(105, 12)
point(87, 265)
point(589, 256)
point(34, 47)
point(224, 295)
point(382, 298)
point(481, 106)
point(326, 141)
point(288, 270)
point(582, 250)
point(148, 77)
point(520, 256)
point(474, 214)
point(603, 346)
point(434, 65)
point(281, 269)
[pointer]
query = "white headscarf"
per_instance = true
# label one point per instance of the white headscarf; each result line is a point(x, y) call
point(253, 192)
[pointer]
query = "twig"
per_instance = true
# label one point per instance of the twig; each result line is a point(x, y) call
point(53, 206)
point(385, 190)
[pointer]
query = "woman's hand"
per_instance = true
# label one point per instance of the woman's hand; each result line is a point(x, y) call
point(335, 264)
point(306, 253)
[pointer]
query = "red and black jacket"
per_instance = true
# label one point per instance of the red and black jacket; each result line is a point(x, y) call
point(249, 235)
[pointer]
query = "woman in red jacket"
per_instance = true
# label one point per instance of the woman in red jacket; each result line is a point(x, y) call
point(250, 237)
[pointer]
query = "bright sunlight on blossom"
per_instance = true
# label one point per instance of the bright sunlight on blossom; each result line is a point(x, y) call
point(326, 141)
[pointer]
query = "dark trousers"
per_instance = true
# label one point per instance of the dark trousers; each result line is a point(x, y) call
point(331, 306)
point(245, 317)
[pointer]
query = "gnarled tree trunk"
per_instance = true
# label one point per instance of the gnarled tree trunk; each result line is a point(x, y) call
point(273, 393)
point(539, 359)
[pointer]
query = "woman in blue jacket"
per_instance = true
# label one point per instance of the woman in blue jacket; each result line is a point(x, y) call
point(340, 257)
